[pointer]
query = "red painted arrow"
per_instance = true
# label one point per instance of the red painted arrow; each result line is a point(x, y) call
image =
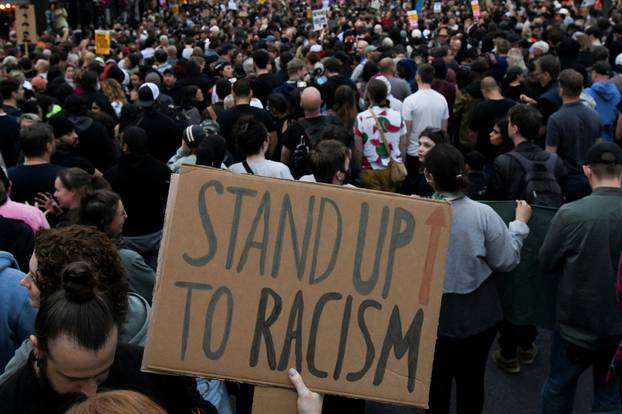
point(436, 221)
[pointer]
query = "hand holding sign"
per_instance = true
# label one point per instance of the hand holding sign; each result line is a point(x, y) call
point(309, 402)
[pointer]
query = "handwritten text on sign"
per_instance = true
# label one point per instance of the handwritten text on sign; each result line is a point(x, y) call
point(259, 275)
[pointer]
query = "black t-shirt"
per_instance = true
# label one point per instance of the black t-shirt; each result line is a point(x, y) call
point(69, 157)
point(483, 121)
point(24, 392)
point(9, 144)
point(291, 139)
point(30, 180)
point(228, 118)
point(263, 85)
point(17, 238)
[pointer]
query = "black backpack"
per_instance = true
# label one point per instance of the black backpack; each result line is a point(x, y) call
point(541, 186)
point(310, 136)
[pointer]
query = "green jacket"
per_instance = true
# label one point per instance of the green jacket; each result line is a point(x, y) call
point(584, 241)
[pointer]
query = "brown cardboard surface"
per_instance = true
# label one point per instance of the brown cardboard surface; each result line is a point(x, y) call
point(271, 400)
point(241, 296)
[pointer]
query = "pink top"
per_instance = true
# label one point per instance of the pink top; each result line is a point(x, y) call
point(28, 214)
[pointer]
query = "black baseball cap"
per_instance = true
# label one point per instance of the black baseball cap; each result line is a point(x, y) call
point(604, 153)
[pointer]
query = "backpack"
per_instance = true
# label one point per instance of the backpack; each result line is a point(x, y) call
point(541, 186)
point(310, 136)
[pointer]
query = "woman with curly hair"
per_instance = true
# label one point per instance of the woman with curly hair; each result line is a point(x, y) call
point(55, 249)
point(115, 94)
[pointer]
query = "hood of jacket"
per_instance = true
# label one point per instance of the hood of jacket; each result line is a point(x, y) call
point(7, 261)
point(134, 330)
point(134, 161)
point(606, 91)
point(82, 123)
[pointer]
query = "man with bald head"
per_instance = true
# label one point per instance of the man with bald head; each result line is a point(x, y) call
point(307, 130)
point(400, 89)
point(486, 113)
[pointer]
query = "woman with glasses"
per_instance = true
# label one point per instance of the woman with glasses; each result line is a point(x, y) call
point(56, 248)
point(479, 244)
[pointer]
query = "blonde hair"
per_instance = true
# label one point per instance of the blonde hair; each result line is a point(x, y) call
point(113, 91)
point(117, 402)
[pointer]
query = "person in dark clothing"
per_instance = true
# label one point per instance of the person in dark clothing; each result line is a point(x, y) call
point(66, 142)
point(243, 94)
point(474, 163)
point(142, 182)
point(265, 81)
point(10, 91)
point(17, 238)
point(164, 134)
point(193, 76)
point(334, 79)
point(96, 144)
point(547, 70)
point(508, 180)
point(75, 352)
point(37, 174)
point(443, 86)
point(9, 142)
point(493, 107)
point(516, 342)
point(571, 131)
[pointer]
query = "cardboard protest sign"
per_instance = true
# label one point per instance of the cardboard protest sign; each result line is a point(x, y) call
point(528, 295)
point(25, 24)
point(257, 275)
point(102, 42)
point(413, 19)
point(475, 8)
point(319, 19)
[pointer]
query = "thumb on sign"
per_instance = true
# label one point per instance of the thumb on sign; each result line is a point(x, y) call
point(309, 402)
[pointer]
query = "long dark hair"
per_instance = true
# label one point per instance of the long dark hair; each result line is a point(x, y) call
point(446, 166)
point(98, 209)
point(77, 179)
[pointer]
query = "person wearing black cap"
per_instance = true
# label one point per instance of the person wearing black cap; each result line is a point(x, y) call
point(583, 243)
point(163, 133)
point(142, 182)
point(66, 139)
point(186, 154)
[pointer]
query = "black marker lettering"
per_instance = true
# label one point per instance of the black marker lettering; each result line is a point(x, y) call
point(239, 192)
point(315, 322)
point(209, 318)
point(186, 324)
point(364, 287)
point(263, 210)
point(212, 242)
point(371, 352)
point(399, 238)
point(400, 344)
point(262, 327)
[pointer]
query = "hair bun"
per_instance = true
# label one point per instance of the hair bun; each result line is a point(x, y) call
point(78, 281)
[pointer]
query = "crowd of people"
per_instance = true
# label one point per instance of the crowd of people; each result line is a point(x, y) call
point(517, 101)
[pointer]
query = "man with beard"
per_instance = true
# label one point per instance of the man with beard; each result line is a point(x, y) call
point(66, 139)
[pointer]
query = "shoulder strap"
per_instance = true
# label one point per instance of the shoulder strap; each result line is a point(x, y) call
point(247, 168)
point(550, 163)
point(384, 139)
point(524, 162)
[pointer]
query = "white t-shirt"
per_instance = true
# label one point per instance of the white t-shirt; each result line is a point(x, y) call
point(264, 168)
point(426, 108)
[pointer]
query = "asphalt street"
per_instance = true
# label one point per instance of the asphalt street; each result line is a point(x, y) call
point(510, 394)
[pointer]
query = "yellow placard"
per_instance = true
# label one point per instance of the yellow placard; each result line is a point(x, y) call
point(102, 42)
